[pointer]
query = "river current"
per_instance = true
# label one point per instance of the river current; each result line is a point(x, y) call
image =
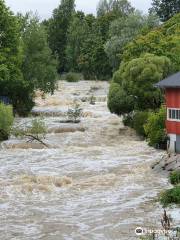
point(94, 182)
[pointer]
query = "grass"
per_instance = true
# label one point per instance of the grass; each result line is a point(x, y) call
point(170, 196)
point(175, 177)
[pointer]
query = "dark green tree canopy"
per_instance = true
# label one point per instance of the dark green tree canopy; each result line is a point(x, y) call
point(10, 54)
point(132, 87)
point(166, 9)
point(38, 66)
point(58, 30)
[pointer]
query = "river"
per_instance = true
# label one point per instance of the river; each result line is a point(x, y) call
point(94, 182)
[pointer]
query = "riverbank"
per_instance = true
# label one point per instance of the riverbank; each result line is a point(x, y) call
point(168, 163)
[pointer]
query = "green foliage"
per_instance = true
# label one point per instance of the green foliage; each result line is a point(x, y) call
point(77, 33)
point(6, 121)
point(92, 61)
point(136, 120)
point(72, 77)
point(38, 66)
point(118, 101)
point(175, 177)
point(163, 41)
point(74, 114)
point(119, 7)
point(171, 196)
point(139, 120)
point(155, 128)
point(123, 30)
point(11, 77)
point(137, 77)
point(36, 131)
point(128, 119)
point(165, 9)
point(58, 31)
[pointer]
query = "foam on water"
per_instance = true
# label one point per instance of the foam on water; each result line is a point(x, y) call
point(93, 182)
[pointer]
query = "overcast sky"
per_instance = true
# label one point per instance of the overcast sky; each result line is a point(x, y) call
point(45, 7)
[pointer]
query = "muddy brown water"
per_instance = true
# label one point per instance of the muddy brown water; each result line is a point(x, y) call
point(93, 183)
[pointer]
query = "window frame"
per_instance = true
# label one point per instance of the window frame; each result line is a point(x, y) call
point(173, 114)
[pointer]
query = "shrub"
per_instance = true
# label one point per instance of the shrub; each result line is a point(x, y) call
point(136, 120)
point(139, 120)
point(171, 196)
point(175, 177)
point(72, 77)
point(74, 114)
point(128, 120)
point(118, 100)
point(35, 132)
point(6, 121)
point(155, 129)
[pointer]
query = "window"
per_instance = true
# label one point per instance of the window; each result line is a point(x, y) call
point(174, 114)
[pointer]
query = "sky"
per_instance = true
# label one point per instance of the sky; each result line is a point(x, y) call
point(45, 7)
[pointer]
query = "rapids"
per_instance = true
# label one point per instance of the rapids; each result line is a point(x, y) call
point(94, 182)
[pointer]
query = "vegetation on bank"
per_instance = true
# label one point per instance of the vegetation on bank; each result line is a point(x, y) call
point(146, 60)
point(6, 121)
point(26, 61)
point(172, 196)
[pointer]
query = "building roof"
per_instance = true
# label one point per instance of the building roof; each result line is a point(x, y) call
point(172, 81)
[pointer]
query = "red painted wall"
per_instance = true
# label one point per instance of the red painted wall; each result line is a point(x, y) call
point(173, 127)
point(173, 97)
point(173, 101)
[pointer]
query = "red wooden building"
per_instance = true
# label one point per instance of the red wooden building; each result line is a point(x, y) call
point(171, 85)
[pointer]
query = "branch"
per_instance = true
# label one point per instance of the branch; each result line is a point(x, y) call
point(36, 138)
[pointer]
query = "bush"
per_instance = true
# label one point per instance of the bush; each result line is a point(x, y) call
point(72, 77)
point(118, 101)
point(6, 121)
point(128, 120)
point(175, 177)
point(171, 196)
point(74, 114)
point(139, 120)
point(35, 132)
point(155, 129)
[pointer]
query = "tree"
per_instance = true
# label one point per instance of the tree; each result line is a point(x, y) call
point(138, 77)
point(134, 81)
point(38, 66)
point(163, 41)
point(11, 78)
point(165, 9)
point(77, 33)
point(123, 30)
point(118, 100)
point(119, 7)
point(58, 30)
point(92, 60)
